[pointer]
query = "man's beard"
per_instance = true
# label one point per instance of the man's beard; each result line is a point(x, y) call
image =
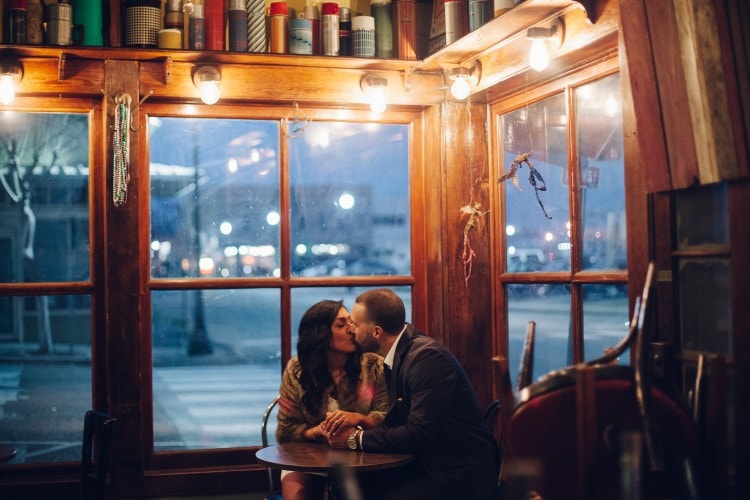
point(369, 344)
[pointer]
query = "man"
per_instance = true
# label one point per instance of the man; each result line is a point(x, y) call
point(432, 411)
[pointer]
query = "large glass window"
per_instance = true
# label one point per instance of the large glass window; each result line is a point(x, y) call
point(45, 328)
point(562, 179)
point(245, 238)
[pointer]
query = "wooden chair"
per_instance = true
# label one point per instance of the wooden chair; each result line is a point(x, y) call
point(98, 429)
point(581, 423)
point(273, 492)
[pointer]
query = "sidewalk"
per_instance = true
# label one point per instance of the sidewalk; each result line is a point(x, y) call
point(15, 352)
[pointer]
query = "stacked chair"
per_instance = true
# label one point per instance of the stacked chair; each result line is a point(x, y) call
point(596, 430)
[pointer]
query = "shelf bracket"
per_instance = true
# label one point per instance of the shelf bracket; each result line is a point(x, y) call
point(61, 67)
point(167, 70)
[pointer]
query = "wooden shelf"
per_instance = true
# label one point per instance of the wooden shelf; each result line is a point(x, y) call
point(500, 31)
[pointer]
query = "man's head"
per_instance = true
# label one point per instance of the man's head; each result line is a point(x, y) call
point(376, 318)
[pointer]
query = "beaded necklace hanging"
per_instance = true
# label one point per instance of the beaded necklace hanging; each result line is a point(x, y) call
point(120, 146)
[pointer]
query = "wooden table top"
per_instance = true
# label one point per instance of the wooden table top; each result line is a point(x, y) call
point(7, 453)
point(319, 457)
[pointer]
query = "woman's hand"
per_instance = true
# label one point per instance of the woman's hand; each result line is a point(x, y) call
point(317, 433)
point(338, 419)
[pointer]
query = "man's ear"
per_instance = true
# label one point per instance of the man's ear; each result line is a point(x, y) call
point(377, 332)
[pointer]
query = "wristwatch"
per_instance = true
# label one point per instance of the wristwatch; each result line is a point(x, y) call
point(351, 441)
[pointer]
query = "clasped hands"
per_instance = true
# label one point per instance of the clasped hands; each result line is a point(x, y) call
point(336, 427)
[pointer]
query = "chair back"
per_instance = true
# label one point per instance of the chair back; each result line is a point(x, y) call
point(581, 425)
point(98, 429)
point(272, 491)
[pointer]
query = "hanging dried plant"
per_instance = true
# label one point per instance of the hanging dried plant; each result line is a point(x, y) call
point(474, 217)
point(535, 178)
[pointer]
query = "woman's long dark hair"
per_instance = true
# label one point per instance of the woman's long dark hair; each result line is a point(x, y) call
point(312, 347)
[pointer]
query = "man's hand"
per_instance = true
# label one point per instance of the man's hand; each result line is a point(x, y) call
point(336, 420)
point(338, 440)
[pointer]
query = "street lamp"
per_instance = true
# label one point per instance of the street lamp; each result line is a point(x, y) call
point(198, 344)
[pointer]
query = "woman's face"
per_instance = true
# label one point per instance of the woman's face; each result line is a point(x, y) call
point(342, 340)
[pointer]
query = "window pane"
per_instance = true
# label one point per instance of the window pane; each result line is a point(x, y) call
point(605, 320)
point(537, 231)
point(549, 307)
point(350, 200)
point(216, 357)
point(214, 197)
point(45, 376)
point(705, 305)
point(701, 217)
point(601, 174)
point(44, 204)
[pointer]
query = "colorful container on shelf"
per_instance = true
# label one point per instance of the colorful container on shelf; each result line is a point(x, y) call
point(143, 21)
point(278, 40)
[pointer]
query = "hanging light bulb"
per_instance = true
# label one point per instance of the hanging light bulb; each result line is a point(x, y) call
point(460, 88)
point(539, 57)
point(207, 80)
point(373, 87)
point(11, 74)
point(539, 36)
point(464, 80)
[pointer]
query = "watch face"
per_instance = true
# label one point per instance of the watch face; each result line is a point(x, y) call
point(351, 442)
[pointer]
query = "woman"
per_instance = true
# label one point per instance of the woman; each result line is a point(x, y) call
point(330, 384)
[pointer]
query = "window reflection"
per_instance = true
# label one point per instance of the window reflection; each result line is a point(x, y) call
point(541, 237)
point(45, 340)
point(605, 320)
point(44, 205)
point(601, 174)
point(45, 376)
point(533, 241)
point(214, 400)
point(549, 307)
point(215, 213)
point(214, 197)
point(350, 200)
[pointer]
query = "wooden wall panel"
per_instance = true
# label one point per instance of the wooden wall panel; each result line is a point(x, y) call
point(680, 93)
point(648, 132)
point(467, 321)
point(123, 332)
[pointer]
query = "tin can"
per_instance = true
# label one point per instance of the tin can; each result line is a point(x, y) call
point(329, 29)
point(345, 31)
point(301, 36)
point(237, 26)
point(363, 36)
point(278, 42)
point(59, 24)
point(143, 21)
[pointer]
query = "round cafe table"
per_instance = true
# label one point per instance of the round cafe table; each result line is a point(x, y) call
point(7, 453)
point(319, 457)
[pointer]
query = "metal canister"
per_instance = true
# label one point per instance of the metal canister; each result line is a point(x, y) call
point(345, 31)
point(301, 36)
point(59, 24)
point(143, 20)
point(329, 29)
point(174, 17)
point(479, 13)
point(278, 41)
point(455, 16)
point(237, 25)
point(363, 36)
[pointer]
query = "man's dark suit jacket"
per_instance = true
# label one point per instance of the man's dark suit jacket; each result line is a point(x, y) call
point(433, 412)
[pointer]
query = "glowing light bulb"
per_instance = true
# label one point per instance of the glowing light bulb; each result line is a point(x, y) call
point(377, 99)
point(7, 90)
point(209, 92)
point(460, 88)
point(538, 57)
